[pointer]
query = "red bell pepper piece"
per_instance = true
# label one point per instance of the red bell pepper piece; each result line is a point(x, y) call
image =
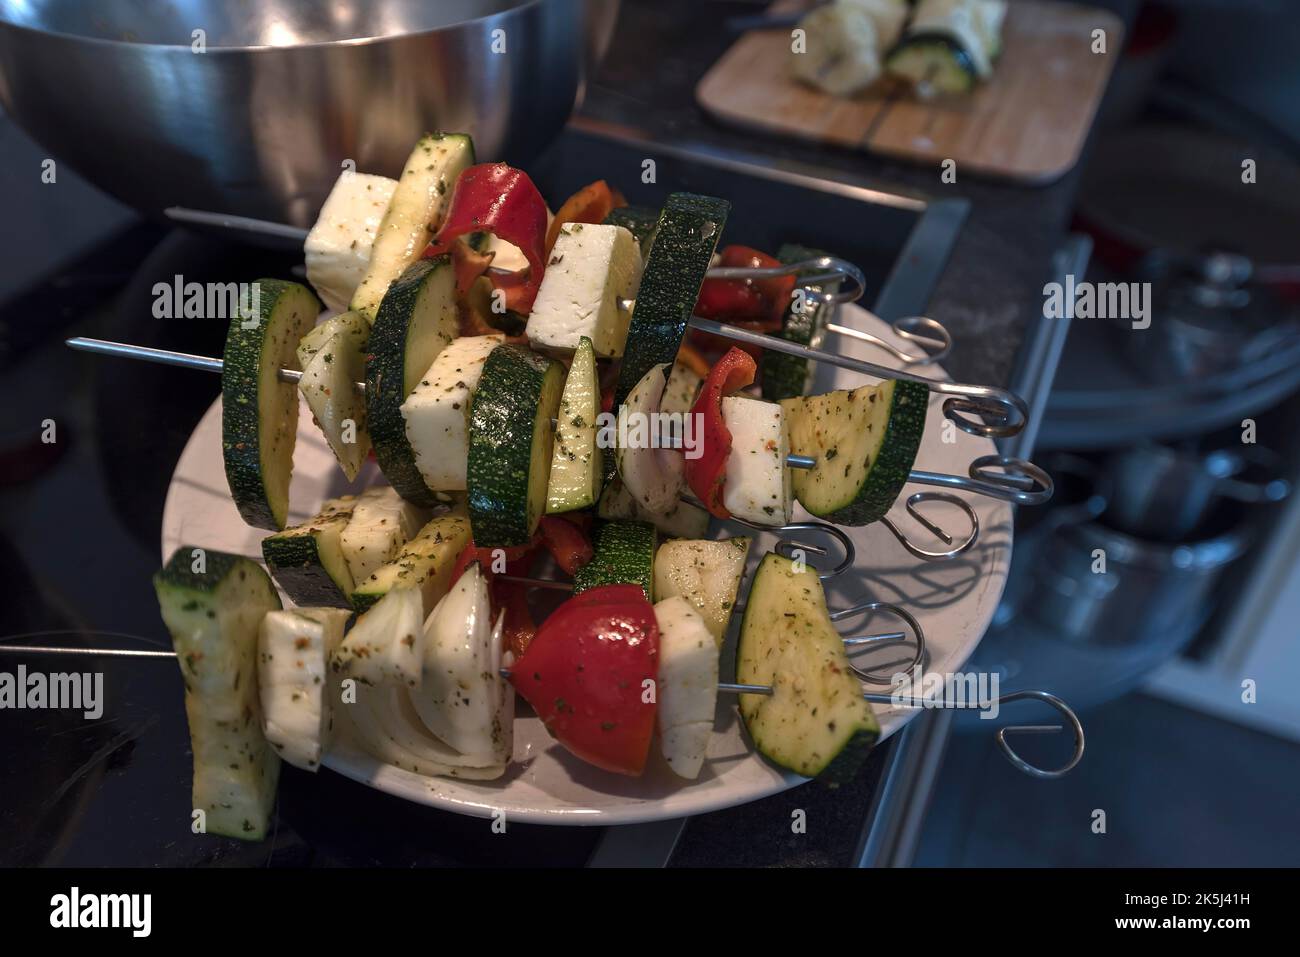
point(512, 597)
point(487, 557)
point(566, 543)
point(591, 204)
point(518, 629)
point(502, 200)
point(585, 675)
point(763, 300)
point(705, 474)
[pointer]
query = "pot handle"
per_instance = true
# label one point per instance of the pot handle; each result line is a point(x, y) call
point(1269, 488)
point(1086, 509)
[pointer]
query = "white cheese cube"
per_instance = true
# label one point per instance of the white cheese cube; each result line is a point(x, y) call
point(757, 486)
point(591, 268)
point(437, 411)
point(338, 246)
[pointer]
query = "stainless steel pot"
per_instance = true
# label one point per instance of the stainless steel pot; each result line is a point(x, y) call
point(1147, 590)
point(1164, 494)
point(286, 90)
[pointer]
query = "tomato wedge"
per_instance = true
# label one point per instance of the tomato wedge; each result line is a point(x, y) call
point(705, 474)
point(762, 300)
point(588, 673)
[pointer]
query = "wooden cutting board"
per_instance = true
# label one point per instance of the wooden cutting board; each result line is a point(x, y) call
point(1028, 122)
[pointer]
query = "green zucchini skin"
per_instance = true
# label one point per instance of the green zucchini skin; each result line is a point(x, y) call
point(387, 380)
point(685, 239)
point(889, 469)
point(640, 221)
point(296, 566)
point(624, 555)
point(946, 62)
point(784, 376)
point(178, 573)
point(510, 444)
point(816, 722)
point(213, 617)
point(259, 413)
point(298, 561)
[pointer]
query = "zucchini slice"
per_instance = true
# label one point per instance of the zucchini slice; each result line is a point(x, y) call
point(414, 214)
point(307, 560)
point(654, 477)
point(815, 721)
point(425, 562)
point(864, 441)
point(510, 445)
point(331, 368)
point(625, 554)
point(954, 43)
point(212, 604)
point(437, 411)
point(576, 465)
point(706, 574)
point(757, 486)
point(293, 649)
point(259, 413)
point(785, 376)
point(687, 685)
point(933, 63)
point(416, 321)
point(686, 237)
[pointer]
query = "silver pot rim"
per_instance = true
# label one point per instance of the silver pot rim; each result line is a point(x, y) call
point(1201, 555)
point(262, 48)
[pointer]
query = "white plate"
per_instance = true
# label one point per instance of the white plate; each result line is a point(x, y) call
point(954, 602)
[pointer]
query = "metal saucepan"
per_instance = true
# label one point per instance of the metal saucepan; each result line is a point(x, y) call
point(1081, 580)
point(286, 90)
point(1149, 591)
point(1164, 493)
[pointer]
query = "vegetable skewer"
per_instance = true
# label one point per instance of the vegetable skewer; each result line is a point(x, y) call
point(1007, 410)
point(1022, 482)
point(731, 688)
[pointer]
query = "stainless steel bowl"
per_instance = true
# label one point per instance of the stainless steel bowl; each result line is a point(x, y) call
point(286, 91)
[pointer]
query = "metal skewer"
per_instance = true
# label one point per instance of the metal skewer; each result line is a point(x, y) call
point(857, 642)
point(1007, 410)
point(934, 339)
point(1018, 481)
point(936, 344)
